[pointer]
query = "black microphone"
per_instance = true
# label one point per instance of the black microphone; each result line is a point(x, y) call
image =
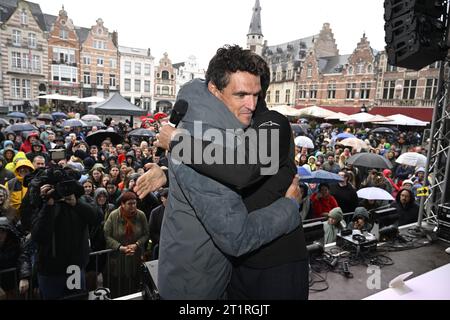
point(179, 111)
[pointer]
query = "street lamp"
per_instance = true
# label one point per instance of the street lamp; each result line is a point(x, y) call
point(363, 108)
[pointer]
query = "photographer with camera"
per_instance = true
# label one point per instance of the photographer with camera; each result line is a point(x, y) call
point(61, 231)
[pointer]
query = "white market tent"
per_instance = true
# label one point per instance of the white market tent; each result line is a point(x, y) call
point(93, 99)
point(316, 112)
point(336, 116)
point(287, 111)
point(362, 117)
point(402, 120)
point(57, 96)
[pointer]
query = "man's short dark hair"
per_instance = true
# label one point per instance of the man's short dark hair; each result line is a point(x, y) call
point(230, 59)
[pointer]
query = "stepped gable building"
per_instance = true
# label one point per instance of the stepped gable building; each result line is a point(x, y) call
point(24, 55)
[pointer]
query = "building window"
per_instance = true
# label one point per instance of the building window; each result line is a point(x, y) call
point(128, 85)
point(431, 88)
point(313, 91)
point(16, 37)
point(101, 45)
point(274, 76)
point(369, 68)
point(26, 89)
point(100, 62)
point(147, 69)
point(165, 90)
point(16, 60)
point(99, 79)
point(15, 88)
point(409, 89)
point(137, 68)
point(127, 67)
point(277, 96)
point(350, 70)
point(113, 63)
point(36, 63)
point(63, 55)
point(64, 73)
point(137, 85)
point(26, 60)
point(23, 17)
point(287, 98)
point(63, 34)
point(32, 40)
point(278, 76)
point(332, 90)
point(87, 78)
point(165, 75)
point(147, 85)
point(289, 74)
point(360, 68)
point(390, 68)
point(365, 90)
point(86, 60)
point(351, 89)
point(389, 90)
point(309, 71)
point(302, 92)
point(158, 90)
point(112, 80)
point(268, 97)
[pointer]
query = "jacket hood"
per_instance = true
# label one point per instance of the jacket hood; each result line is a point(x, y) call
point(386, 172)
point(361, 212)
point(23, 163)
point(33, 134)
point(204, 106)
point(100, 191)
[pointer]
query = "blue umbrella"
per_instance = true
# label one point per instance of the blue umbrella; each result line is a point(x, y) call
point(344, 135)
point(303, 172)
point(74, 123)
point(59, 115)
point(21, 127)
point(19, 115)
point(322, 176)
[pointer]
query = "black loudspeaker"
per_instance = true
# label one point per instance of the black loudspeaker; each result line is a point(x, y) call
point(415, 32)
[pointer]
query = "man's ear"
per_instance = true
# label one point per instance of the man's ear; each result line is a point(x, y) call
point(213, 89)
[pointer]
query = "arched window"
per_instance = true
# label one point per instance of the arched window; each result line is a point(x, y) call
point(165, 75)
point(23, 17)
point(165, 90)
point(350, 70)
point(369, 68)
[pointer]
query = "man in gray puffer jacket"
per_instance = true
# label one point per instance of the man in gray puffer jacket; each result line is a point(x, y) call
point(206, 221)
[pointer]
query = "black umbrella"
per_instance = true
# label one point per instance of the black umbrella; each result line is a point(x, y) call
point(142, 132)
point(45, 117)
point(97, 137)
point(383, 130)
point(299, 129)
point(21, 127)
point(370, 160)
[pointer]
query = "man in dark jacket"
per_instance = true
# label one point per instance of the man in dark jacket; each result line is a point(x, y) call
point(206, 220)
point(155, 222)
point(406, 206)
point(278, 270)
point(61, 231)
point(345, 194)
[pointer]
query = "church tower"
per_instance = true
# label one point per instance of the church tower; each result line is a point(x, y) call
point(255, 38)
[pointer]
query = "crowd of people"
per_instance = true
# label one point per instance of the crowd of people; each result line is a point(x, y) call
point(218, 231)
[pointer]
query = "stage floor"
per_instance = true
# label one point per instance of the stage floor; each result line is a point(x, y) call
point(420, 261)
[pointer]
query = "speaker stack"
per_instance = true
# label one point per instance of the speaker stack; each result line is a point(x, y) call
point(415, 32)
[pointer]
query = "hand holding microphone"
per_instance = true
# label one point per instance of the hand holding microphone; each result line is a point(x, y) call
point(167, 132)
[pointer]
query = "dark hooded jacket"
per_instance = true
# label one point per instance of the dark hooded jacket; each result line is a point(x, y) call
point(408, 213)
point(5, 175)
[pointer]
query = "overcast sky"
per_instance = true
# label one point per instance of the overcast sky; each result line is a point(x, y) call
point(198, 27)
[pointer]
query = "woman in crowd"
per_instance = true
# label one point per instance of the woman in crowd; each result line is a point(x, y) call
point(126, 231)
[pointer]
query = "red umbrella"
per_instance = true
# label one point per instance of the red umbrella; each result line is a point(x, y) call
point(160, 115)
point(149, 120)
